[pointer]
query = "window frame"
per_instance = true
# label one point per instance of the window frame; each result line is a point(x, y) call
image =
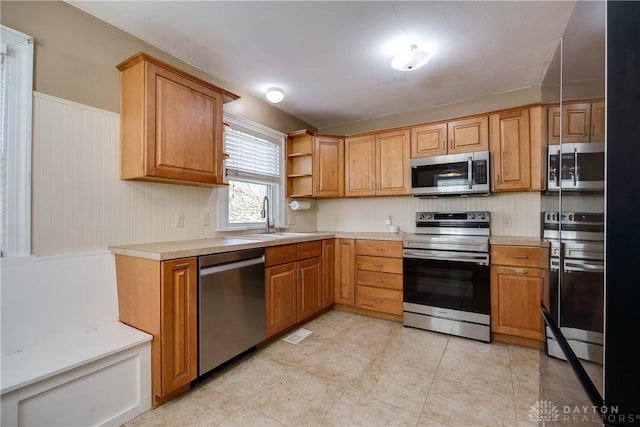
point(16, 239)
point(277, 196)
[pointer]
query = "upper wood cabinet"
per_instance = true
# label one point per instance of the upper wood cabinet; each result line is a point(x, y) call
point(429, 140)
point(458, 136)
point(468, 135)
point(378, 164)
point(315, 165)
point(159, 297)
point(515, 147)
point(170, 124)
point(582, 121)
point(328, 166)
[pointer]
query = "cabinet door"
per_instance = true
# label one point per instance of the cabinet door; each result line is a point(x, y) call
point(553, 125)
point(184, 128)
point(328, 272)
point(309, 290)
point(328, 166)
point(360, 166)
point(345, 271)
point(510, 151)
point(429, 140)
point(515, 301)
point(392, 163)
point(179, 363)
point(280, 297)
point(597, 122)
point(468, 135)
point(576, 122)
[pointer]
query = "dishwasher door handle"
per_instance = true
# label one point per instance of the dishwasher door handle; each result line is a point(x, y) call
point(231, 266)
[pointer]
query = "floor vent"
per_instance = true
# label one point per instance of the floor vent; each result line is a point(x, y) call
point(298, 336)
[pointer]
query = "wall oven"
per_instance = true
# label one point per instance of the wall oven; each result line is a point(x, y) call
point(446, 276)
point(578, 167)
point(453, 174)
point(577, 281)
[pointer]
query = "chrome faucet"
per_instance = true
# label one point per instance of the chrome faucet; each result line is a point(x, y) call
point(265, 213)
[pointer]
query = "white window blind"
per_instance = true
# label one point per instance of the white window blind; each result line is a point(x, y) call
point(251, 157)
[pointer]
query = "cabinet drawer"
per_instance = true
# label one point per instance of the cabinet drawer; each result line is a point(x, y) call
point(379, 280)
point(522, 256)
point(374, 263)
point(379, 248)
point(309, 249)
point(385, 300)
point(282, 254)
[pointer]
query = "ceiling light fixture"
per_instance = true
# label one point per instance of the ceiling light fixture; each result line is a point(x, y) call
point(275, 95)
point(411, 59)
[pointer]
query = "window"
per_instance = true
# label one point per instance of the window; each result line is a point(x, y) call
point(253, 171)
point(16, 94)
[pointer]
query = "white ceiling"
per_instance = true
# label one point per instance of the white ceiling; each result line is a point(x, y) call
point(329, 56)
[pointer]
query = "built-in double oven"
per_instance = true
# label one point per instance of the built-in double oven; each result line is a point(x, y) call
point(446, 274)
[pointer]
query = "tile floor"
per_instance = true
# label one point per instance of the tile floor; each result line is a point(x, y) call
point(361, 371)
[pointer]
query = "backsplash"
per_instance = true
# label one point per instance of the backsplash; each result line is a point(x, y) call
point(512, 214)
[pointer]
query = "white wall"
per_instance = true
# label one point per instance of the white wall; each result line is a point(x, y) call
point(522, 210)
point(80, 204)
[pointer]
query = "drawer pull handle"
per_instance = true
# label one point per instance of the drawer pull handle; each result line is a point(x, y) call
point(379, 249)
point(378, 265)
point(361, 283)
point(379, 280)
point(378, 300)
point(522, 256)
point(181, 265)
point(522, 273)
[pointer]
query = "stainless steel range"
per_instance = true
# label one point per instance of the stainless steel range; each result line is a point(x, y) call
point(576, 281)
point(446, 274)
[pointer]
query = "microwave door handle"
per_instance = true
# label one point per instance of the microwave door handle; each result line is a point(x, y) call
point(575, 166)
point(559, 166)
point(469, 172)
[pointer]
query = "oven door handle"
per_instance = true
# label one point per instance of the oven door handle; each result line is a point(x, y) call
point(571, 266)
point(482, 259)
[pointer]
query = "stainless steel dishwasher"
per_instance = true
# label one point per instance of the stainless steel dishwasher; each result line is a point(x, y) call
point(231, 306)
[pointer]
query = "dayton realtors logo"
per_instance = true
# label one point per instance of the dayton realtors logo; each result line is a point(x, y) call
point(544, 411)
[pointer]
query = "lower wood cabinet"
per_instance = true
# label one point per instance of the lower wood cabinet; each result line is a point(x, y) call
point(379, 276)
point(160, 298)
point(345, 272)
point(293, 284)
point(328, 272)
point(519, 281)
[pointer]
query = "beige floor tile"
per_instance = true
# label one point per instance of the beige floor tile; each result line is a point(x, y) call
point(425, 421)
point(247, 417)
point(355, 409)
point(288, 354)
point(298, 399)
point(246, 378)
point(332, 361)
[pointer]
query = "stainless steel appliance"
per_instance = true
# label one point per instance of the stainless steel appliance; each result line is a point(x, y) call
point(578, 167)
point(446, 277)
point(453, 174)
point(577, 300)
point(231, 306)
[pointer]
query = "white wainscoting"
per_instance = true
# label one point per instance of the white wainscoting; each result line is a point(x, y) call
point(79, 203)
point(520, 210)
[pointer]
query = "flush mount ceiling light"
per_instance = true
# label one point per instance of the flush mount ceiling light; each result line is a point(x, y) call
point(411, 59)
point(275, 95)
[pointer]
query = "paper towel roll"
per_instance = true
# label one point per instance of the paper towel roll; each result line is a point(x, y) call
point(299, 205)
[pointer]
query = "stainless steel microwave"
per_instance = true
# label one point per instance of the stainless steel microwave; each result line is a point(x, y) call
point(453, 174)
point(576, 167)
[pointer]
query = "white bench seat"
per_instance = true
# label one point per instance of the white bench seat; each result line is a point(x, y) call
point(27, 366)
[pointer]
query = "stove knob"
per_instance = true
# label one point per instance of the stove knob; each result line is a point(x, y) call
point(481, 216)
point(570, 217)
point(548, 217)
point(473, 216)
point(429, 216)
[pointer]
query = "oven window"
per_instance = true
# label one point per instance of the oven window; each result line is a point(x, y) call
point(447, 284)
point(582, 301)
point(590, 167)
